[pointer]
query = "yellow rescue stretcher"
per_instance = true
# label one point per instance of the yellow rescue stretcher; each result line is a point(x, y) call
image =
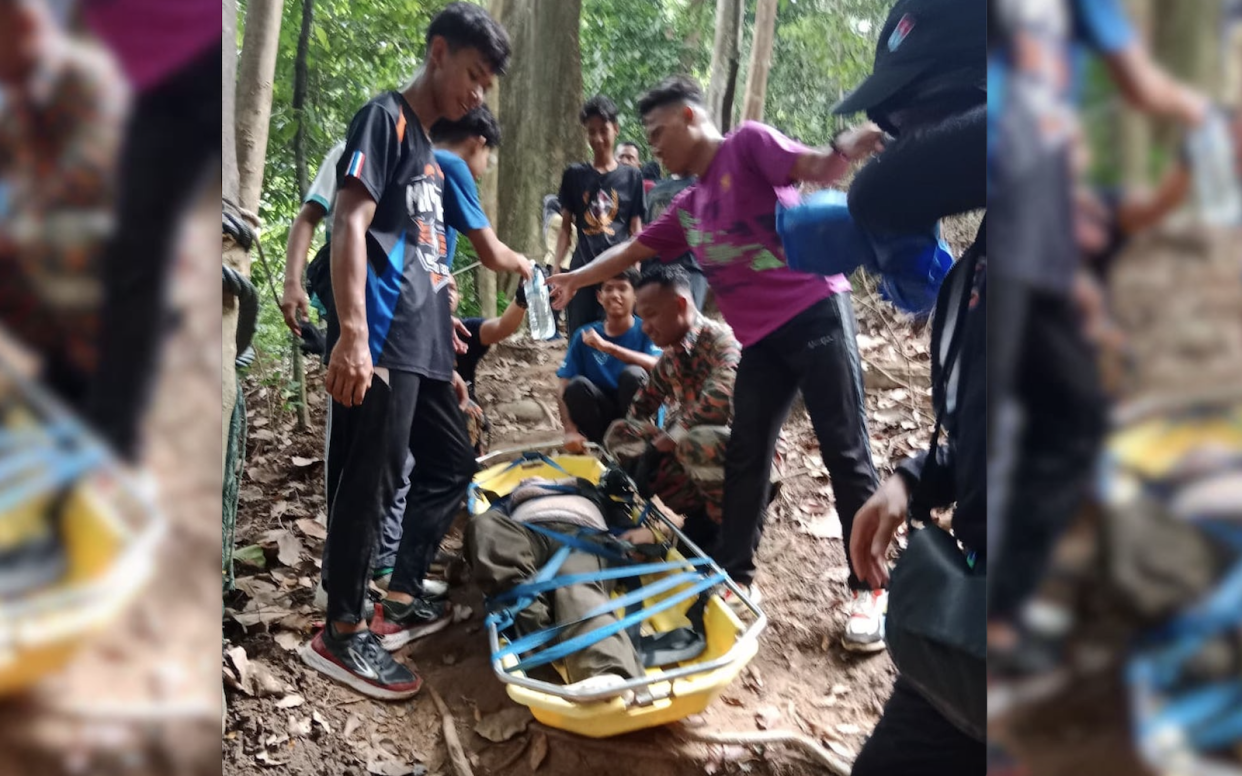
point(56, 477)
point(667, 693)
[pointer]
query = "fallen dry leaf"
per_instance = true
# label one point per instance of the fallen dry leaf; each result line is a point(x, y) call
point(351, 725)
point(289, 550)
point(538, 750)
point(311, 528)
point(288, 641)
point(290, 702)
point(321, 721)
point(299, 727)
point(301, 462)
point(503, 725)
point(268, 760)
point(241, 663)
point(826, 526)
point(767, 717)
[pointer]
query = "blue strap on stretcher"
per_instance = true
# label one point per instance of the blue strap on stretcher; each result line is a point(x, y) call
point(474, 488)
point(504, 618)
point(570, 646)
point(36, 474)
point(624, 572)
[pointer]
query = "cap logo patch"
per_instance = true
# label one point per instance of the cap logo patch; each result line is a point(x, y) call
point(900, 32)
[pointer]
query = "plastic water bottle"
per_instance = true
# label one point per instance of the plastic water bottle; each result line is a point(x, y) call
point(1212, 163)
point(539, 307)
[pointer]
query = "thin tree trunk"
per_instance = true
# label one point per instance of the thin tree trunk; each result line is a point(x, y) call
point(726, 53)
point(255, 72)
point(1134, 129)
point(760, 60)
point(299, 155)
point(691, 47)
point(484, 278)
point(228, 82)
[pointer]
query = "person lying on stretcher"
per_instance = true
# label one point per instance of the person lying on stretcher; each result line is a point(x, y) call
point(507, 546)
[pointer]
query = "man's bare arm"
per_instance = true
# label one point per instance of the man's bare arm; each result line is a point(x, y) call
point(301, 233)
point(496, 330)
point(563, 239)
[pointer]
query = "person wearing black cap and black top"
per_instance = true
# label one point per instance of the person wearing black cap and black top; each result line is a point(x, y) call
point(928, 89)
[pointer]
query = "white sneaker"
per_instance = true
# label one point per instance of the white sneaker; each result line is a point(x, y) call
point(600, 687)
point(864, 630)
point(435, 588)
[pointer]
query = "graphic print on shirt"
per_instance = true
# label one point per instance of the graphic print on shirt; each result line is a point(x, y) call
point(601, 211)
point(426, 210)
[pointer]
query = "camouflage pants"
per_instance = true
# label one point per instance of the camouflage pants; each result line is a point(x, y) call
point(688, 479)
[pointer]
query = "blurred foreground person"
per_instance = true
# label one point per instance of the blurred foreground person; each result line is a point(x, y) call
point(928, 90)
point(170, 52)
point(59, 134)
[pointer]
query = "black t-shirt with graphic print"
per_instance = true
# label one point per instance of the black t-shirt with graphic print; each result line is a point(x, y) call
point(407, 302)
point(602, 205)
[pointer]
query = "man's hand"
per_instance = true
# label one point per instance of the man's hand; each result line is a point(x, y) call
point(350, 369)
point(524, 268)
point(875, 525)
point(462, 390)
point(295, 307)
point(575, 442)
point(664, 443)
point(591, 338)
point(460, 335)
point(857, 143)
point(562, 287)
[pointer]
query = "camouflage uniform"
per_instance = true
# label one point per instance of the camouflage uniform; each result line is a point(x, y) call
point(696, 377)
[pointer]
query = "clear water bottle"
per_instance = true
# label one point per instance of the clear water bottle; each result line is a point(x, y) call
point(1213, 167)
point(539, 307)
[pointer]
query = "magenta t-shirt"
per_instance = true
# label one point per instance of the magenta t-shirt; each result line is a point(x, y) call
point(728, 219)
point(154, 38)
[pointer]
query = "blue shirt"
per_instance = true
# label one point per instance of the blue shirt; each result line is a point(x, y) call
point(462, 210)
point(582, 360)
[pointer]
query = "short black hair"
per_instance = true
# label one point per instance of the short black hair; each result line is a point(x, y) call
point(629, 274)
point(601, 106)
point(651, 171)
point(671, 276)
point(477, 123)
point(466, 25)
point(631, 144)
point(674, 89)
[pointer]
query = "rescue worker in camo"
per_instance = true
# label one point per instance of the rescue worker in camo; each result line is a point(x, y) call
point(683, 460)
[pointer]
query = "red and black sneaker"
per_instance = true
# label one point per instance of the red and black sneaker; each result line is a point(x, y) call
point(398, 624)
point(358, 660)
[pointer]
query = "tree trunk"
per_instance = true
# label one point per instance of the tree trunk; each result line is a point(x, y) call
point(760, 60)
point(228, 82)
point(255, 71)
point(1133, 129)
point(484, 278)
point(1187, 42)
point(726, 53)
point(542, 133)
point(299, 153)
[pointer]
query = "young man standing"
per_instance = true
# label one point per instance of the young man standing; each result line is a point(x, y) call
point(627, 154)
point(603, 199)
point(797, 330)
point(695, 375)
point(390, 371)
point(320, 199)
point(606, 364)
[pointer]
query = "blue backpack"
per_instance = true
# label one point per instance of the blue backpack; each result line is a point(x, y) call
point(820, 237)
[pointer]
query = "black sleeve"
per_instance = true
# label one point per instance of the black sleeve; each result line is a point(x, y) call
point(923, 177)
point(640, 200)
point(474, 346)
point(567, 195)
point(372, 149)
point(932, 484)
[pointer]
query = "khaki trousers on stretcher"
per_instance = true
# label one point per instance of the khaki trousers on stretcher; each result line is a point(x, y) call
point(502, 554)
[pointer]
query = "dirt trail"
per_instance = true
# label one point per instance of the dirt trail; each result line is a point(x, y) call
point(801, 680)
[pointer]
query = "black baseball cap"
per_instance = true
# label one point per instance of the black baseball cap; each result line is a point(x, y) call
point(920, 39)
